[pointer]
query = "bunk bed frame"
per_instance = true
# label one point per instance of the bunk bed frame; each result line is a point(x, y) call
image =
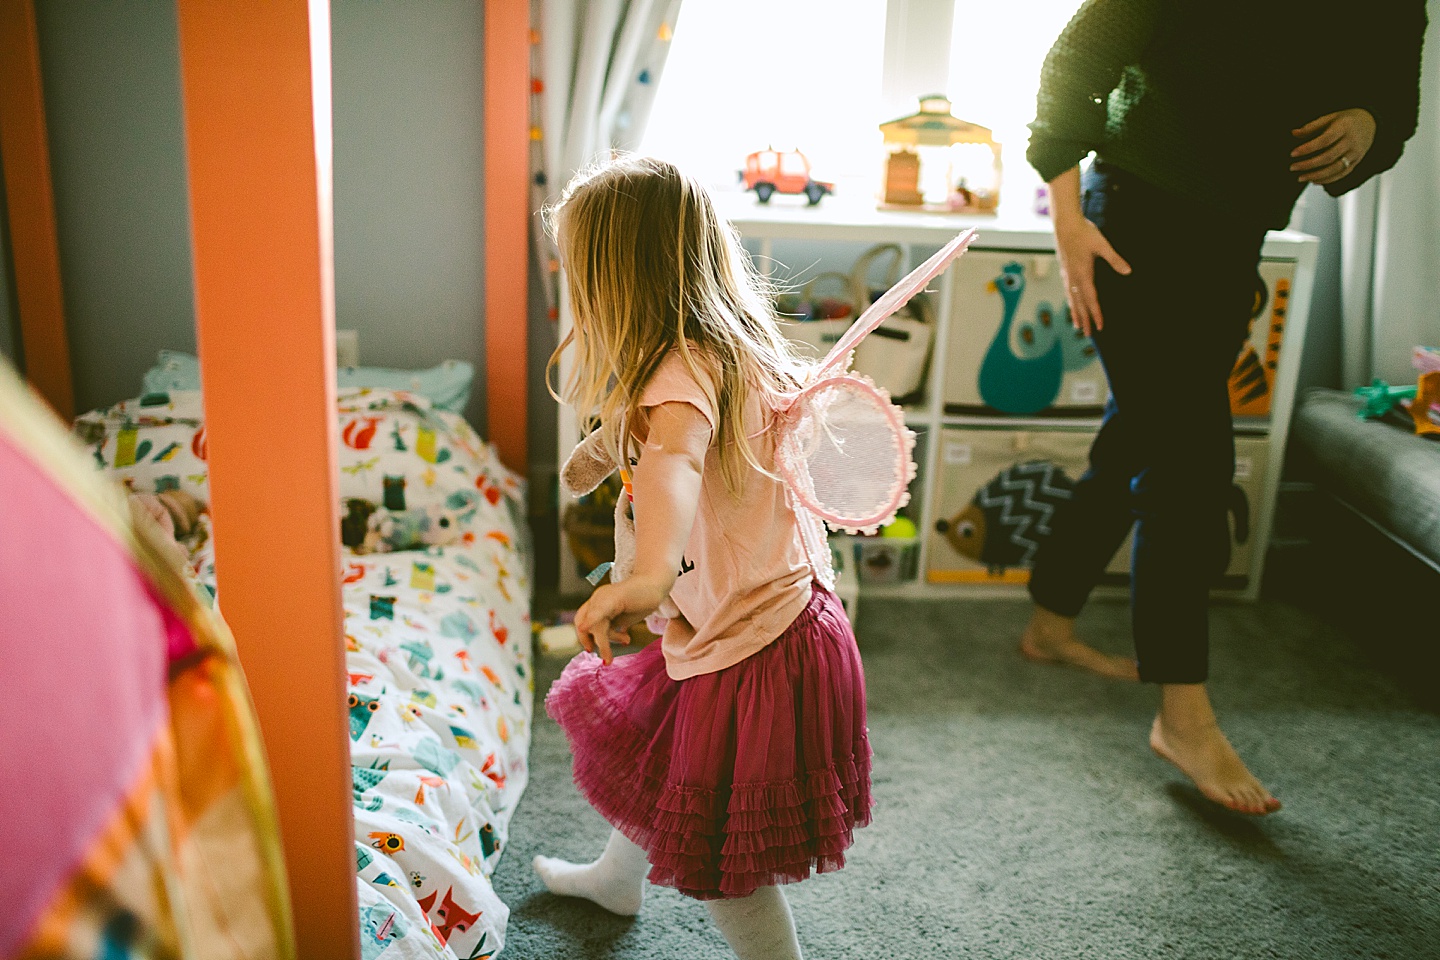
point(261, 226)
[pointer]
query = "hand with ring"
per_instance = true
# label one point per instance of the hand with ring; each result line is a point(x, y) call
point(1336, 143)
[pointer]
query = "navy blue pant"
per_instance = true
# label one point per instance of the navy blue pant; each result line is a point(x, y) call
point(1165, 454)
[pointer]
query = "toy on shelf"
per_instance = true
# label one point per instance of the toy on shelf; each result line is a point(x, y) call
point(815, 323)
point(1380, 398)
point(925, 166)
point(1425, 407)
point(807, 305)
point(770, 171)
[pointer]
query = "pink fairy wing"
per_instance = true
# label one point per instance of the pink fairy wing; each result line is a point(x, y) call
point(892, 300)
point(842, 445)
point(846, 453)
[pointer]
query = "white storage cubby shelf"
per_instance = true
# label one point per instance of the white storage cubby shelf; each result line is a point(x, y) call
point(963, 437)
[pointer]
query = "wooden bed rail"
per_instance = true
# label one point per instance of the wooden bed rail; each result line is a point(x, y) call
point(25, 147)
point(258, 134)
point(507, 226)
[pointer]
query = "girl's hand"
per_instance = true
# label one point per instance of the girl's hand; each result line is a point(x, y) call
point(667, 495)
point(606, 618)
point(1077, 245)
point(1336, 145)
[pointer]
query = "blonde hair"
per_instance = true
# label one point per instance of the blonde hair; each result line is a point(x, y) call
point(651, 268)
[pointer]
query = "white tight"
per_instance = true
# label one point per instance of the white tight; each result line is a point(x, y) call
point(757, 927)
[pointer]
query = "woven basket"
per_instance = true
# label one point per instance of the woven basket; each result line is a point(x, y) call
point(589, 525)
point(895, 354)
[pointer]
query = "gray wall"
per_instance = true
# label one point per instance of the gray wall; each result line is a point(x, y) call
point(409, 182)
point(1318, 214)
point(112, 103)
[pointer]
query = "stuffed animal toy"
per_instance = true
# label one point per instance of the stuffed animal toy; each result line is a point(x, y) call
point(391, 530)
point(355, 524)
point(175, 512)
point(584, 470)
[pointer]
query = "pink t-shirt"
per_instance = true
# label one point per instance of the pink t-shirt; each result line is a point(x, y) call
point(744, 577)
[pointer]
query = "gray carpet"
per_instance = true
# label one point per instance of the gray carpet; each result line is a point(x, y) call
point(1020, 815)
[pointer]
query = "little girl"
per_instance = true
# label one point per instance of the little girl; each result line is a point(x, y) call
point(732, 755)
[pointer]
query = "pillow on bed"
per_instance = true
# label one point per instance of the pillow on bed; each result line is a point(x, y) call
point(398, 451)
point(152, 444)
point(446, 386)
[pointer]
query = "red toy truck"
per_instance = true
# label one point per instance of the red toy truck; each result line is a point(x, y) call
point(769, 172)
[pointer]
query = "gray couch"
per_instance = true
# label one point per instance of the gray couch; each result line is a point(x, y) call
point(1380, 470)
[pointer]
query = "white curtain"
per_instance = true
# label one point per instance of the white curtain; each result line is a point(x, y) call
point(1390, 248)
point(600, 62)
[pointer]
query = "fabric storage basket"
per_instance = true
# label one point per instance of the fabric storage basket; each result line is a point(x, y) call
point(815, 336)
point(1252, 459)
point(847, 582)
point(881, 560)
point(1252, 381)
point(896, 354)
point(1011, 348)
point(994, 495)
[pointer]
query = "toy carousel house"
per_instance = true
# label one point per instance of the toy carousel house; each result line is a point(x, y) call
point(928, 139)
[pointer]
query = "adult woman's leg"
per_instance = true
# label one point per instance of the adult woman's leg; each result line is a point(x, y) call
point(1183, 316)
point(1087, 530)
point(1172, 330)
point(1180, 498)
point(1085, 533)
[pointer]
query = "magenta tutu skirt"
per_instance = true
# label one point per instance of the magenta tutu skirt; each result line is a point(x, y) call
point(730, 781)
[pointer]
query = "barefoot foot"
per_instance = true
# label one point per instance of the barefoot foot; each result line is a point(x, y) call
point(1050, 638)
point(1204, 755)
point(592, 882)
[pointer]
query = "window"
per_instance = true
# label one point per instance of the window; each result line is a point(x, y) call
point(996, 51)
point(744, 75)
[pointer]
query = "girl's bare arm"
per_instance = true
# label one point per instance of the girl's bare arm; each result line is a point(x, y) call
point(667, 495)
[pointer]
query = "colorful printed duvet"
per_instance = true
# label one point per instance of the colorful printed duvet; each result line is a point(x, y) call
point(438, 645)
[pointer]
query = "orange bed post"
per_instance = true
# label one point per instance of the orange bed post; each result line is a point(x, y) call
point(256, 86)
point(25, 146)
point(507, 196)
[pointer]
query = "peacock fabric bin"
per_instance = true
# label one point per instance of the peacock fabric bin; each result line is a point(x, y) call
point(1012, 350)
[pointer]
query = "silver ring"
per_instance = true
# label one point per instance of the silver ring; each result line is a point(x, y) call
point(1345, 160)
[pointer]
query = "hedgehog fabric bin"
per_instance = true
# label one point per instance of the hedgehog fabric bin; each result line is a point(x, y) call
point(1252, 458)
point(1011, 348)
point(995, 495)
point(998, 491)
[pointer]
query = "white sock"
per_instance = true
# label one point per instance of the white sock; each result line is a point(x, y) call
point(758, 927)
point(616, 881)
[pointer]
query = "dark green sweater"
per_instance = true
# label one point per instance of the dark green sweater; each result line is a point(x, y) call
point(1199, 96)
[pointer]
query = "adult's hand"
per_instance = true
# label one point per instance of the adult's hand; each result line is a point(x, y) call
point(1334, 145)
point(1078, 243)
